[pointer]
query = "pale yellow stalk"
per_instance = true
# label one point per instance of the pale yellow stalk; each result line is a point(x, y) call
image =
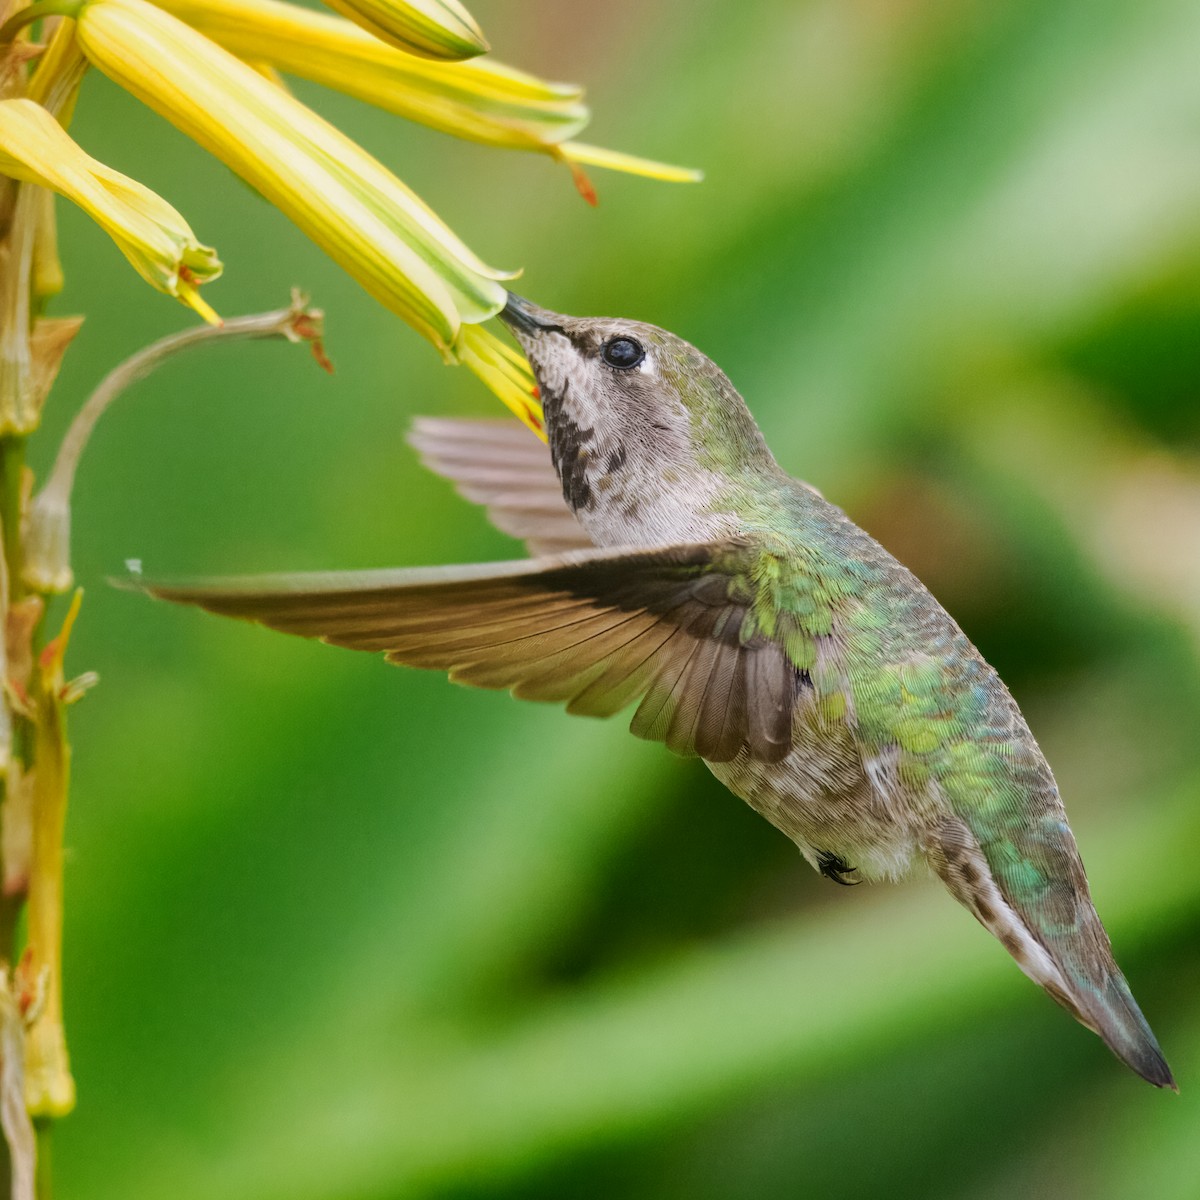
point(49, 1084)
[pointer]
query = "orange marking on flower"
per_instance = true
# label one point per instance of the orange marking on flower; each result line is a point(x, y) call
point(26, 979)
point(318, 351)
point(583, 185)
point(188, 278)
point(51, 658)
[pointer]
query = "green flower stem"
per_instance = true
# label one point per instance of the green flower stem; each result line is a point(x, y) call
point(295, 323)
point(12, 466)
point(35, 12)
point(46, 565)
point(49, 1085)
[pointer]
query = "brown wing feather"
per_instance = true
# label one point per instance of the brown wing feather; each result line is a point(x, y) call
point(596, 630)
point(502, 466)
point(721, 736)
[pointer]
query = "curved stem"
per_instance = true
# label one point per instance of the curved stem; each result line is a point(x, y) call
point(35, 12)
point(281, 323)
point(46, 562)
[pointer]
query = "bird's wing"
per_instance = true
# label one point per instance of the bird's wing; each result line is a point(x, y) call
point(675, 627)
point(500, 465)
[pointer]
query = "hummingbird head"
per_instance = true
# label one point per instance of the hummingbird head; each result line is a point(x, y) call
point(645, 432)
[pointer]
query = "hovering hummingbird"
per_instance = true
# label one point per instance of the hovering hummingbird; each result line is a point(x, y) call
point(756, 626)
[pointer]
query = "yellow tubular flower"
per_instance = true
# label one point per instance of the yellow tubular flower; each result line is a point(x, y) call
point(482, 100)
point(360, 214)
point(60, 70)
point(154, 237)
point(430, 28)
point(506, 372)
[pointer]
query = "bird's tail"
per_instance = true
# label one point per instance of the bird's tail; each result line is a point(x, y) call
point(1029, 890)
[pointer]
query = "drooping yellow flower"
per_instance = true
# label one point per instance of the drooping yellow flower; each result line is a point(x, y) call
point(430, 28)
point(150, 233)
point(482, 100)
point(359, 213)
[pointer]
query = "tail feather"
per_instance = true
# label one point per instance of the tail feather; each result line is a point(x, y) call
point(1107, 1007)
point(1056, 938)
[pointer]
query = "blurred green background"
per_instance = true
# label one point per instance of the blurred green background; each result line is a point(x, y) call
point(338, 930)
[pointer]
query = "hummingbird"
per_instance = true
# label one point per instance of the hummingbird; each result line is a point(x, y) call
point(675, 565)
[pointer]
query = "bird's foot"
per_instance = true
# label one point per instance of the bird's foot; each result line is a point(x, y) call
point(834, 867)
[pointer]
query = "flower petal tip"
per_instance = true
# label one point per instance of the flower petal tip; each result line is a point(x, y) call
point(631, 164)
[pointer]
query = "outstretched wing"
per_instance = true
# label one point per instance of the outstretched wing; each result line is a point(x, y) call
point(500, 465)
point(596, 630)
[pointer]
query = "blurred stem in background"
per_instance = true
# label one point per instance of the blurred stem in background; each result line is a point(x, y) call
point(404, 56)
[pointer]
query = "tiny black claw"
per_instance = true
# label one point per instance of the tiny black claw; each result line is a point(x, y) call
point(834, 867)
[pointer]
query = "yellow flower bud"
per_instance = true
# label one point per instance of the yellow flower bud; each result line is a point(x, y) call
point(360, 214)
point(149, 232)
point(430, 28)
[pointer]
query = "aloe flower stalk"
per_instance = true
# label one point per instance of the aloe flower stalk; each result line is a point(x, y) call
point(49, 1084)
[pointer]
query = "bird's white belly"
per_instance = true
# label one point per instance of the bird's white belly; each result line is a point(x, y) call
point(826, 801)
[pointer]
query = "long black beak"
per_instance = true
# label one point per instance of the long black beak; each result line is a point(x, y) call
point(519, 313)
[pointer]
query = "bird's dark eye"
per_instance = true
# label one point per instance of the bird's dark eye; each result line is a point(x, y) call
point(623, 353)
